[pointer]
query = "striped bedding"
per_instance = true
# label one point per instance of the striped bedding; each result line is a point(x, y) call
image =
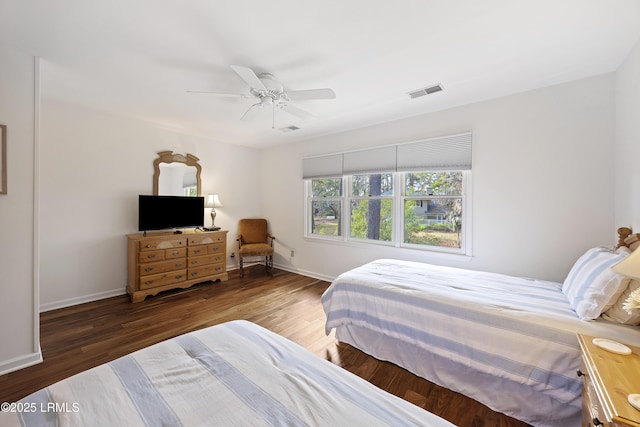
point(233, 374)
point(520, 331)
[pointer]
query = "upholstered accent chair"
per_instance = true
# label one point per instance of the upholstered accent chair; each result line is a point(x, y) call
point(255, 241)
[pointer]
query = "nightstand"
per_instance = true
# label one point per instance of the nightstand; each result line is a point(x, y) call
point(607, 379)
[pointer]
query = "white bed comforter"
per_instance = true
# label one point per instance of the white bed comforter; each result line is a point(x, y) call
point(508, 327)
point(233, 374)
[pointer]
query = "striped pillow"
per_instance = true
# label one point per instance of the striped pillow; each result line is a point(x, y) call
point(591, 284)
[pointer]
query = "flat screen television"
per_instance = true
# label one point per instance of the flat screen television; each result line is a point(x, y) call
point(165, 212)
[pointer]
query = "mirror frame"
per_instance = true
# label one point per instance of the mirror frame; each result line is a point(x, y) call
point(170, 157)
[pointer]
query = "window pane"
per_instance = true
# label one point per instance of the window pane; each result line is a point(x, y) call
point(372, 185)
point(371, 219)
point(326, 187)
point(433, 222)
point(433, 184)
point(325, 217)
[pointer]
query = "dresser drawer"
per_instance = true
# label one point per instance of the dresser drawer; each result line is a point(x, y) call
point(591, 406)
point(162, 279)
point(205, 239)
point(197, 250)
point(175, 253)
point(164, 243)
point(150, 256)
point(216, 249)
point(206, 270)
point(203, 260)
point(162, 266)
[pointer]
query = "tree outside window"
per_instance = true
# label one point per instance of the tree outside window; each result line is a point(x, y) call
point(326, 207)
point(433, 209)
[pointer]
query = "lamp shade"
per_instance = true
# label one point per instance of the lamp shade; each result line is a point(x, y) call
point(213, 201)
point(630, 266)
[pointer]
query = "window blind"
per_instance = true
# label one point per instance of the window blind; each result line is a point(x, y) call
point(322, 166)
point(378, 160)
point(449, 152)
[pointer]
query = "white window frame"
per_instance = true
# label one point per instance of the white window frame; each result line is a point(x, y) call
point(465, 245)
point(398, 215)
point(349, 197)
point(308, 223)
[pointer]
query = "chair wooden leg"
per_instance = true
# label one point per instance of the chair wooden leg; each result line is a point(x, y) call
point(241, 268)
point(268, 263)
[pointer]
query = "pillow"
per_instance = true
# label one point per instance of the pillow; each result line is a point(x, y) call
point(622, 250)
point(618, 314)
point(632, 241)
point(591, 284)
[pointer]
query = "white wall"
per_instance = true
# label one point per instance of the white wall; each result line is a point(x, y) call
point(543, 173)
point(93, 167)
point(627, 183)
point(19, 329)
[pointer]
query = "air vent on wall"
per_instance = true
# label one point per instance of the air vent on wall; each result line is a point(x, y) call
point(425, 91)
point(289, 128)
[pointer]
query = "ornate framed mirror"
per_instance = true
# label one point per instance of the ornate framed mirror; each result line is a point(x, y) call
point(176, 175)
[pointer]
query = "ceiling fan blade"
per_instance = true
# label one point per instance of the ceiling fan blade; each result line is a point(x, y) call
point(251, 113)
point(298, 112)
point(222, 95)
point(301, 95)
point(249, 77)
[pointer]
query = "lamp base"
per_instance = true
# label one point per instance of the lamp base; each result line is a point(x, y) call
point(211, 228)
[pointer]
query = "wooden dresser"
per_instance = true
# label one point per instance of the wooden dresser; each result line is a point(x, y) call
point(607, 379)
point(161, 261)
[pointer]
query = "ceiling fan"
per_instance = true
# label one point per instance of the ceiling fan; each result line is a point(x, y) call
point(270, 93)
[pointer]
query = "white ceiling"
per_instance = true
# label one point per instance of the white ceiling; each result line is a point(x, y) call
point(138, 58)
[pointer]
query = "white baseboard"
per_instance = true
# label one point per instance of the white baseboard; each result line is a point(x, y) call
point(79, 300)
point(116, 292)
point(20, 362)
point(292, 269)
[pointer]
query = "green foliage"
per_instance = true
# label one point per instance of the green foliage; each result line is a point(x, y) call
point(433, 183)
point(360, 215)
point(327, 187)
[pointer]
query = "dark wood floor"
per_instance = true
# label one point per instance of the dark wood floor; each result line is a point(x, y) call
point(77, 338)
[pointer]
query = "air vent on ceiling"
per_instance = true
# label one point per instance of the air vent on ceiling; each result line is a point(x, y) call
point(289, 128)
point(425, 91)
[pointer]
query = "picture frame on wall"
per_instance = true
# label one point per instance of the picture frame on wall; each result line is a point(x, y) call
point(3, 159)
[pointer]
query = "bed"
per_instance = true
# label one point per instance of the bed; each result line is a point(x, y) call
point(233, 374)
point(507, 342)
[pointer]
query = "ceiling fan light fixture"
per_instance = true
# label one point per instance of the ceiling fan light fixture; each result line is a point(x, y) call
point(270, 82)
point(269, 92)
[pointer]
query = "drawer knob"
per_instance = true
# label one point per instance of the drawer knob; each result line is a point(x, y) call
point(579, 373)
point(597, 422)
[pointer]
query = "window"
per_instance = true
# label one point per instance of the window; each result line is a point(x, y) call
point(431, 214)
point(413, 195)
point(325, 207)
point(433, 207)
point(371, 207)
